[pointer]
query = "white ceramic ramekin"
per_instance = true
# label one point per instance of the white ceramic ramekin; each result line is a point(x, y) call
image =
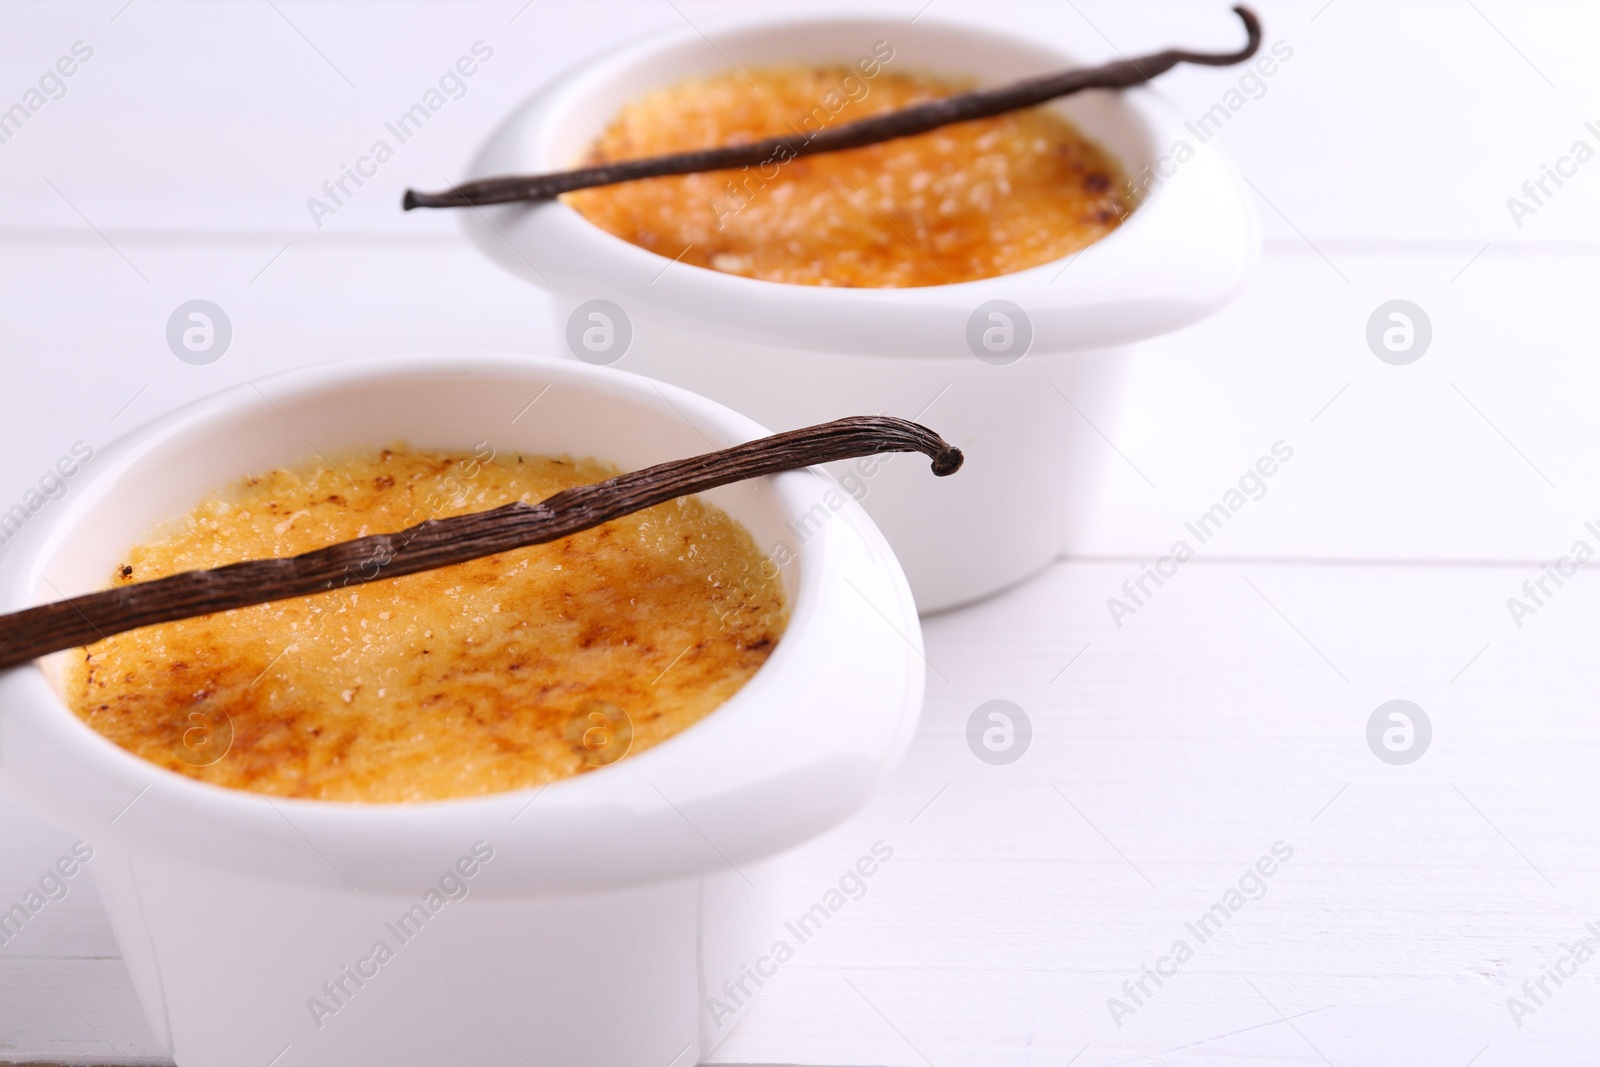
point(612, 904)
point(788, 355)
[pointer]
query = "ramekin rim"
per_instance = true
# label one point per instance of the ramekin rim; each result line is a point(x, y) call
point(1149, 106)
point(226, 801)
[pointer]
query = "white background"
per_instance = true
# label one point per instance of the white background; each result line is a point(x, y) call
point(1228, 714)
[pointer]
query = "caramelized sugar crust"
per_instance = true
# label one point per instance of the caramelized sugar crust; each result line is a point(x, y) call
point(967, 201)
point(473, 679)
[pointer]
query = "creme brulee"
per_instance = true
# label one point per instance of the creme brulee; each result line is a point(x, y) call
point(502, 673)
point(967, 201)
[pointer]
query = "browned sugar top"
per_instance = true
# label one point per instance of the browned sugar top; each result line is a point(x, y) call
point(477, 678)
point(967, 201)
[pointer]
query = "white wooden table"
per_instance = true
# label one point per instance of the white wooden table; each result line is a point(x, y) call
point(1169, 753)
